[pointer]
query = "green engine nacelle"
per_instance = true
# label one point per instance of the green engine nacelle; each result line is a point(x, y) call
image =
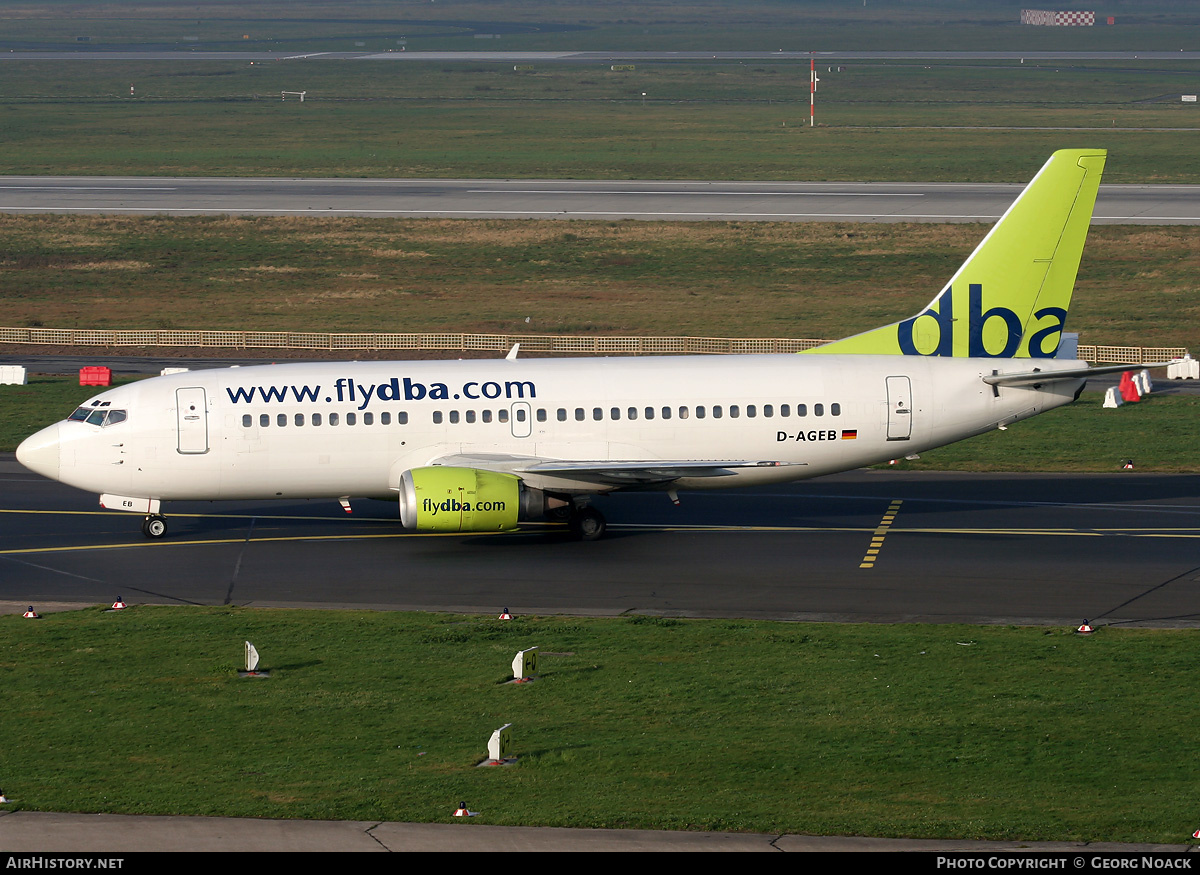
point(442, 499)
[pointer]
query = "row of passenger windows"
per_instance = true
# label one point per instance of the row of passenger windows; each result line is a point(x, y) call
point(281, 419)
point(581, 414)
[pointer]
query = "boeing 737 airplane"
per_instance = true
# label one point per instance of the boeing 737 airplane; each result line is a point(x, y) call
point(480, 446)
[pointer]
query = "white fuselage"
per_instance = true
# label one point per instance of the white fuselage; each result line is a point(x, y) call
point(351, 429)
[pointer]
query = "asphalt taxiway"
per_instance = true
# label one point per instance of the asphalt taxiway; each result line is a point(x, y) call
point(963, 548)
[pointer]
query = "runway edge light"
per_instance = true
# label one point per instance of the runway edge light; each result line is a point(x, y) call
point(1084, 629)
point(524, 665)
point(31, 614)
point(504, 615)
point(461, 811)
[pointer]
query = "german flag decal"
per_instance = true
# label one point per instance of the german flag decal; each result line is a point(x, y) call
point(849, 434)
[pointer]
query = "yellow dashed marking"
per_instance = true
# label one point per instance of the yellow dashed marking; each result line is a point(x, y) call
point(868, 560)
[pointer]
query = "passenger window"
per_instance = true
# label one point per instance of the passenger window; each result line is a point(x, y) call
point(835, 409)
point(734, 411)
point(520, 414)
point(562, 414)
point(802, 410)
point(316, 419)
point(785, 410)
point(768, 410)
point(437, 417)
point(487, 416)
point(333, 419)
point(247, 420)
point(470, 416)
point(717, 411)
point(385, 418)
point(818, 410)
point(541, 414)
point(368, 419)
point(299, 419)
point(699, 411)
point(281, 420)
point(402, 417)
point(502, 415)
point(751, 411)
point(264, 420)
point(351, 419)
point(615, 413)
point(579, 414)
point(683, 412)
point(666, 413)
point(453, 416)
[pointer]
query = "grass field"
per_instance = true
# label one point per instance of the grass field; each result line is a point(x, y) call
point(886, 120)
point(946, 731)
point(374, 119)
point(1137, 285)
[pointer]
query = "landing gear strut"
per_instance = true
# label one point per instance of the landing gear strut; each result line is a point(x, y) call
point(154, 526)
point(587, 524)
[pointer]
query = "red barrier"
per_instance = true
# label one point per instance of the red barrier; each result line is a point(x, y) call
point(95, 376)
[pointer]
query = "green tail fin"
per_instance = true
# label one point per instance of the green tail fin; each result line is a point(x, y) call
point(1010, 298)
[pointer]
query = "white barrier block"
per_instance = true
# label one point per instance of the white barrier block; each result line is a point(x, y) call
point(1186, 368)
point(1142, 381)
point(166, 371)
point(1112, 398)
point(12, 375)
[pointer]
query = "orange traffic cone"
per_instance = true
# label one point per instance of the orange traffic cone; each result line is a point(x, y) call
point(31, 614)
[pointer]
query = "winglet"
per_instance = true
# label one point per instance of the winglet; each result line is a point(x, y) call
point(1010, 298)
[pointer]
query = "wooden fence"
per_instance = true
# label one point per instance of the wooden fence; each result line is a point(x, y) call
point(547, 343)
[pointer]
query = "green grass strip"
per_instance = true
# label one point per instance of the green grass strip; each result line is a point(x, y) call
point(932, 731)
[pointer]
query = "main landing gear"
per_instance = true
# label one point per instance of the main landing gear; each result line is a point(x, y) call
point(586, 523)
point(154, 526)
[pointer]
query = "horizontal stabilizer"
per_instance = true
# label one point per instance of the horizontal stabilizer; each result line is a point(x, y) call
point(1036, 377)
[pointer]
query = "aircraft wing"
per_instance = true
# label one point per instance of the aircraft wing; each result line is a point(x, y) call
point(619, 473)
point(1036, 376)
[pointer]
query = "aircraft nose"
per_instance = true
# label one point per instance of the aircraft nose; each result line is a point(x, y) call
point(40, 452)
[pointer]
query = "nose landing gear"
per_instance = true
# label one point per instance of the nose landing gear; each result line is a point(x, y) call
point(154, 526)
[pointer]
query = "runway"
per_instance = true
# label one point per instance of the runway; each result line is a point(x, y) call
point(194, 53)
point(963, 548)
point(572, 199)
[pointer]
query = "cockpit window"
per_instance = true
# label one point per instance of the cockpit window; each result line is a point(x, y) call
point(97, 417)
